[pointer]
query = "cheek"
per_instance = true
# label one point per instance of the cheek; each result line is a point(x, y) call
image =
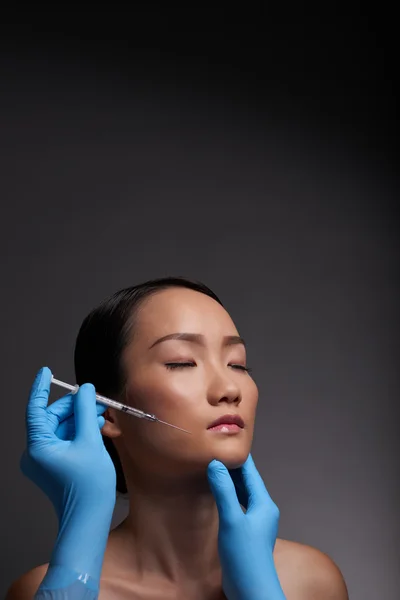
point(169, 401)
point(250, 397)
point(165, 395)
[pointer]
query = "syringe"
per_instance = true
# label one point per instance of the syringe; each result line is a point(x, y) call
point(117, 405)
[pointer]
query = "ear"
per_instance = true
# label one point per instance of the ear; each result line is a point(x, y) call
point(110, 428)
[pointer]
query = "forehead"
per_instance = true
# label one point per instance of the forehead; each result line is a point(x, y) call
point(181, 310)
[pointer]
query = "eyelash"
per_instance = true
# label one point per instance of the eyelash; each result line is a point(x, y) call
point(189, 364)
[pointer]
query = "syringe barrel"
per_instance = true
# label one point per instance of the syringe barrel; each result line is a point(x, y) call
point(108, 401)
point(127, 409)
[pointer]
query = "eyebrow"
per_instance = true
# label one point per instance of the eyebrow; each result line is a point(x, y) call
point(198, 338)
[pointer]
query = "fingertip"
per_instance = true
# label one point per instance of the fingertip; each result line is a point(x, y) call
point(101, 421)
point(46, 377)
point(248, 463)
point(217, 471)
point(101, 409)
point(46, 371)
point(86, 394)
point(215, 464)
point(88, 387)
point(86, 413)
point(40, 384)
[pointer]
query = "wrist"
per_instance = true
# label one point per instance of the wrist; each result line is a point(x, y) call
point(264, 590)
point(260, 582)
point(59, 577)
point(271, 588)
point(82, 540)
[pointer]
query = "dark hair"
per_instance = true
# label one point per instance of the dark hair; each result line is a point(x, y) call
point(106, 332)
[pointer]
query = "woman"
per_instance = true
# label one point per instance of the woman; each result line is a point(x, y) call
point(168, 347)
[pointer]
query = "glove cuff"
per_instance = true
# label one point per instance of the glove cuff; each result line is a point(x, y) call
point(61, 583)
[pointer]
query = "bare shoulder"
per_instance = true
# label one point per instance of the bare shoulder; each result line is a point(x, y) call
point(25, 587)
point(307, 573)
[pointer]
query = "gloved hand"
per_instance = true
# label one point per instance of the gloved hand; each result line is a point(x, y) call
point(245, 540)
point(67, 459)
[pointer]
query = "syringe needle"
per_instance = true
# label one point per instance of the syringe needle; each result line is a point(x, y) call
point(174, 426)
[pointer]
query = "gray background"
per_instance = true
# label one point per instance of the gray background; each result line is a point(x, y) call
point(285, 209)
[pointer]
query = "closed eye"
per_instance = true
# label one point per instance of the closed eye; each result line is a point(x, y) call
point(241, 368)
point(181, 365)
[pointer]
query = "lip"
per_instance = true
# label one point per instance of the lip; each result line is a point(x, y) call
point(228, 420)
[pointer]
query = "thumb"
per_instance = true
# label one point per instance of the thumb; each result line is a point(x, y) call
point(224, 492)
point(85, 410)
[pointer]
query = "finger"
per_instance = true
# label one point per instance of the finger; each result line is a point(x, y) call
point(224, 491)
point(60, 411)
point(66, 429)
point(39, 394)
point(36, 420)
point(63, 409)
point(86, 413)
point(257, 493)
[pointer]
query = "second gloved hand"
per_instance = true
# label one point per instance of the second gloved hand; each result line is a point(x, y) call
point(245, 540)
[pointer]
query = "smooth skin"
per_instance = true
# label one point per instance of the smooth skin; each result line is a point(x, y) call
point(167, 547)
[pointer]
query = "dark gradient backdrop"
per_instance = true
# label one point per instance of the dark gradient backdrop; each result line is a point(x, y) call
point(259, 159)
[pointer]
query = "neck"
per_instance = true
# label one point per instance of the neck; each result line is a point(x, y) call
point(171, 530)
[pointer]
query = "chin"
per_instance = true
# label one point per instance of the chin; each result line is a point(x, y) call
point(232, 458)
point(233, 453)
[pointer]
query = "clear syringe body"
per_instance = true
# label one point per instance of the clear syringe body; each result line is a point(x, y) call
point(109, 402)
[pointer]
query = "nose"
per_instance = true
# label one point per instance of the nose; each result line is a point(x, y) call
point(223, 389)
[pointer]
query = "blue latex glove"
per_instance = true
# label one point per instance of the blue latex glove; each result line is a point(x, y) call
point(245, 540)
point(67, 459)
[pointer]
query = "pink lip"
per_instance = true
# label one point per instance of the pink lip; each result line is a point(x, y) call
point(227, 420)
point(226, 428)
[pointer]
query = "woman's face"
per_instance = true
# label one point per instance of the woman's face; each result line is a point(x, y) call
point(210, 383)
